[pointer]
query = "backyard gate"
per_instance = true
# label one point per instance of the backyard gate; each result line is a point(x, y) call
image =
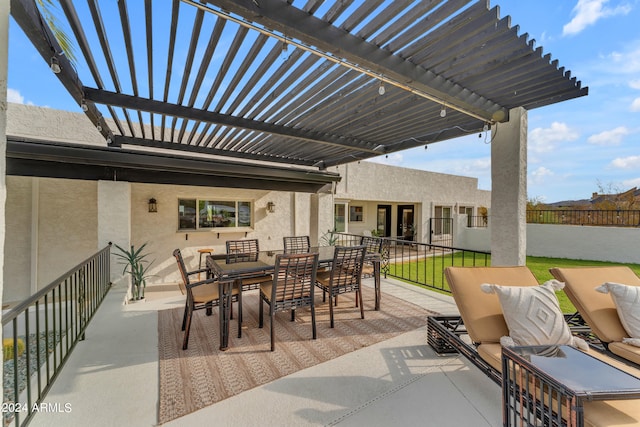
point(441, 231)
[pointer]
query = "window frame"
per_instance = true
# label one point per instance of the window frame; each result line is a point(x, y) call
point(356, 213)
point(213, 201)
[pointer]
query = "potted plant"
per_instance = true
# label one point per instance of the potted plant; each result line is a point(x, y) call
point(137, 266)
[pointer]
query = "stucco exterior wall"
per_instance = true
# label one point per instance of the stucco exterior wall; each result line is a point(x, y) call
point(17, 261)
point(53, 224)
point(160, 230)
point(37, 122)
point(375, 181)
point(369, 184)
point(579, 242)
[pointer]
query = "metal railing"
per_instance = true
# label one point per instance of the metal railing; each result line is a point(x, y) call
point(40, 333)
point(613, 218)
point(421, 263)
point(478, 221)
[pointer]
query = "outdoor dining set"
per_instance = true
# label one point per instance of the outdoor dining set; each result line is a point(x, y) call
point(286, 279)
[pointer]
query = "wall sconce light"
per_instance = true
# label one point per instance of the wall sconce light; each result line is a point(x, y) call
point(271, 207)
point(153, 205)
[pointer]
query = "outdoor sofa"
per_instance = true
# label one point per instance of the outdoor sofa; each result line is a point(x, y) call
point(477, 332)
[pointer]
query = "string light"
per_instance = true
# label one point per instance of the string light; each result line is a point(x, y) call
point(381, 89)
point(55, 65)
point(443, 111)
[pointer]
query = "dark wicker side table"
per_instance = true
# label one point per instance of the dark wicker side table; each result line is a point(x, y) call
point(547, 385)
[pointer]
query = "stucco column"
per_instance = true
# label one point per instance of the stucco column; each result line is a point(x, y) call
point(321, 217)
point(301, 203)
point(509, 190)
point(114, 219)
point(4, 65)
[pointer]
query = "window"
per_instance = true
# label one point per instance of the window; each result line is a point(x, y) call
point(355, 213)
point(200, 214)
point(339, 215)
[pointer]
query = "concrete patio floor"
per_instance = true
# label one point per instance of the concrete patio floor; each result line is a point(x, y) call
point(112, 378)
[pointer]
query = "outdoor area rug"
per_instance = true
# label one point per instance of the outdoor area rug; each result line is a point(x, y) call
point(203, 375)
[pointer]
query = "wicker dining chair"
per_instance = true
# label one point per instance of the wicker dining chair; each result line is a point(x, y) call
point(201, 294)
point(296, 244)
point(292, 287)
point(373, 245)
point(243, 251)
point(345, 276)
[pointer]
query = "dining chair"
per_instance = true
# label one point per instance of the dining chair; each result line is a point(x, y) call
point(296, 244)
point(201, 294)
point(292, 287)
point(242, 250)
point(345, 276)
point(373, 245)
point(245, 250)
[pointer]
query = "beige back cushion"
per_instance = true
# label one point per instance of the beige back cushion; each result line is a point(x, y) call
point(481, 312)
point(597, 309)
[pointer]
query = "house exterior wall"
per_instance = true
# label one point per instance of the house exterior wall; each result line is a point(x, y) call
point(369, 184)
point(52, 226)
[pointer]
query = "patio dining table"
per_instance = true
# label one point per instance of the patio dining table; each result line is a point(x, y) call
point(228, 274)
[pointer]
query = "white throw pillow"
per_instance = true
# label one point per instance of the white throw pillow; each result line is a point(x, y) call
point(627, 301)
point(533, 315)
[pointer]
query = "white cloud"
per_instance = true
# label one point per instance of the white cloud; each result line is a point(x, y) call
point(588, 12)
point(635, 105)
point(627, 62)
point(609, 137)
point(630, 183)
point(538, 176)
point(14, 96)
point(634, 84)
point(631, 162)
point(543, 140)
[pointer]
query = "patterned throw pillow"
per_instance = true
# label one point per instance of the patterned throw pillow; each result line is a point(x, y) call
point(533, 315)
point(627, 301)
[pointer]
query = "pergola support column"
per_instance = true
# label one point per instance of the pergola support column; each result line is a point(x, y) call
point(509, 190)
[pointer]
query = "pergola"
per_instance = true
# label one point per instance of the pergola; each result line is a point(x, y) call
point(308, 84)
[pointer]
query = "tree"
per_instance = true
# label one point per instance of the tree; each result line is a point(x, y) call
point(46, 8)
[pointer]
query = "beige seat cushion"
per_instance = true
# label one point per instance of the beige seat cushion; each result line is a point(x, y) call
point(208, 292)
point(324, 277)
point(626, 351)
point(597, 309)
point(481, 312)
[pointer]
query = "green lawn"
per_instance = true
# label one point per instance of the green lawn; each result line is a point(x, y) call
point(431, 271)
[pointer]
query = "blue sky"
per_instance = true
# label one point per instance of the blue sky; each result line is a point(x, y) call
point(575, 148)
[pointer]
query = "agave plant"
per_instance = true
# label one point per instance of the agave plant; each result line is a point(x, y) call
point(330, 238)
point(137, 266)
